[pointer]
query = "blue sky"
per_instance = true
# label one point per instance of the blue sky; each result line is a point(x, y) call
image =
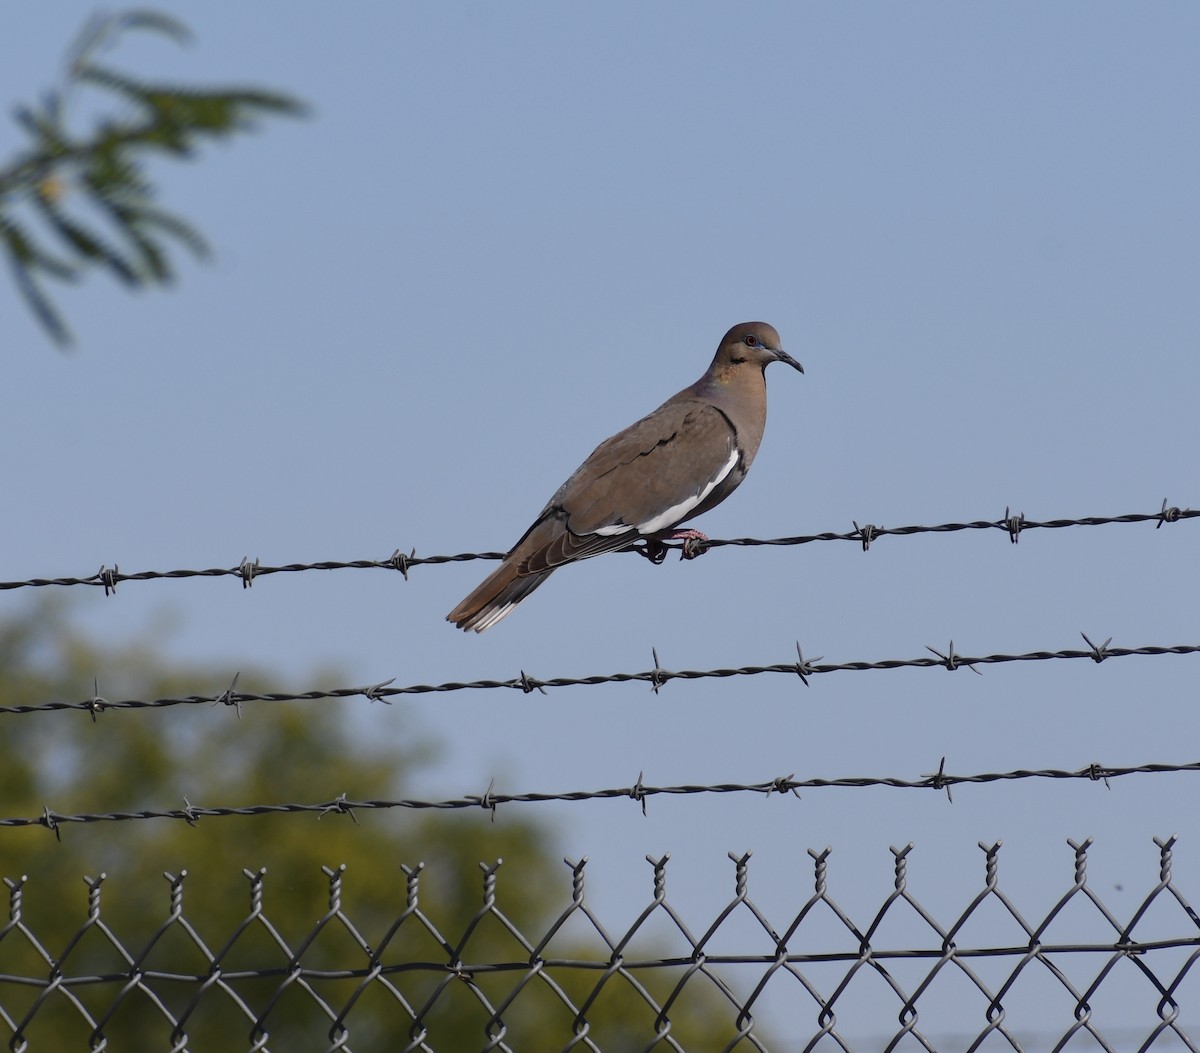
point(509, 231)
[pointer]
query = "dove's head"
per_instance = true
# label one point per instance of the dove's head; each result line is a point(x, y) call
point(751, 344)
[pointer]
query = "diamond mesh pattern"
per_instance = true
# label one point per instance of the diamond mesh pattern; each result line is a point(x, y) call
point(824, 978)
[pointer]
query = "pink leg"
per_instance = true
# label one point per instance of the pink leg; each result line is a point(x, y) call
point(655, 548)
point(695, 543)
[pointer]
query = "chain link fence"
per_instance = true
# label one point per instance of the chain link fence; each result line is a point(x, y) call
point(818, 975)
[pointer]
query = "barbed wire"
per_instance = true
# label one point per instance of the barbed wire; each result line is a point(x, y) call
point(639, 792)
point(1013, 525)
point(657, 677)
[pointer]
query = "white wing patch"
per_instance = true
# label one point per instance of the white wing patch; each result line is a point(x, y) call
point(493, 617)
point(619, 528)
point(676, 512)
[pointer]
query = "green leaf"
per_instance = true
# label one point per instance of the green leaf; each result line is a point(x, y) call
point(111, 80)
point(110, 171)
point(23, 249)
point(151, 262)
point(41, 128)
point(22, 257)
point(154, 21)
point(87, 244)
point(41, 306)
point(182, 231)
point(154, 260)
point(269, 102)
point(103, 30)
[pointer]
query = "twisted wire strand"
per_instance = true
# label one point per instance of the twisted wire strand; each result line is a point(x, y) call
point(109, 577)
point(657, 677)
point(639, 792)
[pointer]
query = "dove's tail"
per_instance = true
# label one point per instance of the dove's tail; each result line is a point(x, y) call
point(497, 595)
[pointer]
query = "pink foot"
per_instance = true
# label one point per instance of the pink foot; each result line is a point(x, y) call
point(695, 543)
point(655, 547)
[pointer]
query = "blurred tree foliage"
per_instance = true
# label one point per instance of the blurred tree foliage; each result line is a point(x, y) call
point(74, 201)
point(154, 758)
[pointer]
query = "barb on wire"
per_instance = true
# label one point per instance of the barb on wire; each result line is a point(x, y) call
point(247, 572)
point(656, 678)
point(939, 781)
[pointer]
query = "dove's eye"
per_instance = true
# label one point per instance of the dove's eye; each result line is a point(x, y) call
point(752, 341)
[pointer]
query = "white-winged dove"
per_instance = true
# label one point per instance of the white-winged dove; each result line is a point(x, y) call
point(682, 459)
